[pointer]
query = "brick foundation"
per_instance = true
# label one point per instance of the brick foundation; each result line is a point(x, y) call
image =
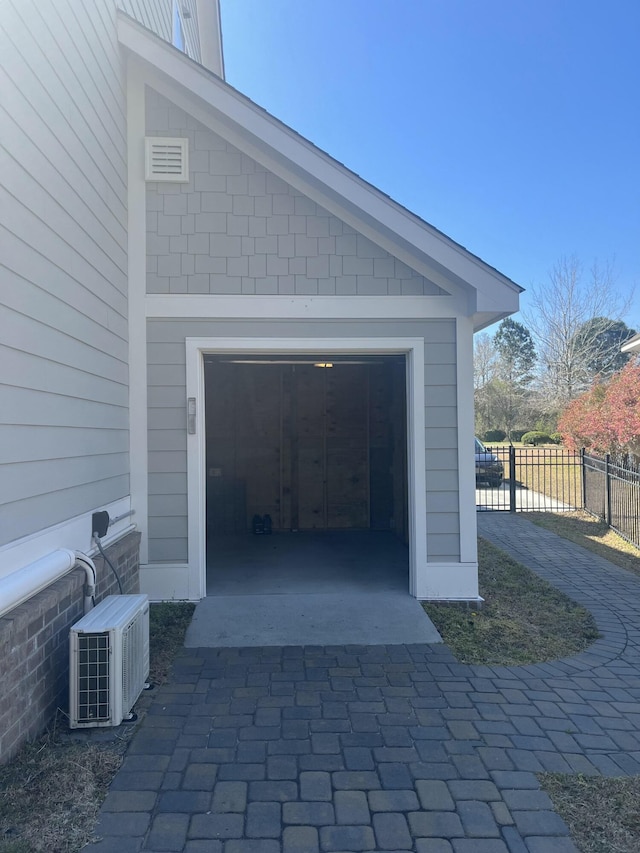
point(34, 645)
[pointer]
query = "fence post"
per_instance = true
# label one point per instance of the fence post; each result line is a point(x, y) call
point(584, 478)
point(607, 486)
point(512, 478)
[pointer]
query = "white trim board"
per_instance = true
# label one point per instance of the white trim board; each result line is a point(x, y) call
point(279, 307)
point(449, 582)
point(413, 348)
point(137, 266)
point(74, 534)
point(466, 429)
point(166, 582)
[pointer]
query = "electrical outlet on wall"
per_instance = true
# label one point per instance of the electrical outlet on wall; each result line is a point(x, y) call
point(99, 524)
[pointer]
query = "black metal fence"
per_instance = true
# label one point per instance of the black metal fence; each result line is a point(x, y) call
point(612, 493)
point(554, 479)
point(536, 479)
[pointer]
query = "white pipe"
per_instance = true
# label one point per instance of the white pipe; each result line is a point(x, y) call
point(26, 582)
point(87, 564)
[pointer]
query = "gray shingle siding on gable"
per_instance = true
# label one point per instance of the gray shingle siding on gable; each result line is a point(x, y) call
point(167, 421)
point(237, 229)
point(63, 291)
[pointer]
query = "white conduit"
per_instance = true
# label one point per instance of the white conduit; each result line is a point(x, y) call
point(26, 582)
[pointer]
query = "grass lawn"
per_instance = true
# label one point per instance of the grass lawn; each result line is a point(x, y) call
point(603, 815)
point(51, 792)
point(524, 619)
point(591, 533)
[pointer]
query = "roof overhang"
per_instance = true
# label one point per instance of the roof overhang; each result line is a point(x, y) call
point(632, 345)
point(480, 290)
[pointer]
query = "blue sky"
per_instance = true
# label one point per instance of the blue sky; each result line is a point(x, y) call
point(511, 125)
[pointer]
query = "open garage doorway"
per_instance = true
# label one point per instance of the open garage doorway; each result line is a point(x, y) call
point(306, 473)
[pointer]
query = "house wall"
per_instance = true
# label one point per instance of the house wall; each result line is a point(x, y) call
point(157, 16)
point(64, 347)
point(167, 436)
point(34, 646)
point(63, 266)
point(236, 228)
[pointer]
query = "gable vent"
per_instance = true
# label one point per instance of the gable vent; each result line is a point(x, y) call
point(166, 159)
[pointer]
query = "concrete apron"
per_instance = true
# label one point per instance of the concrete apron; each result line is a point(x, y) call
point(309, 589)
point(310, 619)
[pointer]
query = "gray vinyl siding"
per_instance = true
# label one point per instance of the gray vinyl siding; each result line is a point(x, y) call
point(236, 228)
point(157, 16)
point(441, 444)
point(167, 455)
point(63, 265)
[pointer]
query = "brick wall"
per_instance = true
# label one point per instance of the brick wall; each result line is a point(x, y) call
point(34, 645)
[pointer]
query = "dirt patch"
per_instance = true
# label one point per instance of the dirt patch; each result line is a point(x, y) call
point(51, 793)
point(168, 623)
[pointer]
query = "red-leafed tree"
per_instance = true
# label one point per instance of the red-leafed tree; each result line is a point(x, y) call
point(606, 419)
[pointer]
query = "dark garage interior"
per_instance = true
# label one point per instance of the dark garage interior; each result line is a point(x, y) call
point(317, 444)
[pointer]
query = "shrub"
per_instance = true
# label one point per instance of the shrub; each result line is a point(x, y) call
point(547, 424)
point(607, 418)
point(494, 435)
point(516, 434)
point(556, 437)
point(535, 437)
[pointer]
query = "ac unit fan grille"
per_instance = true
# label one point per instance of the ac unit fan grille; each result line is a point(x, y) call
point(94, 657)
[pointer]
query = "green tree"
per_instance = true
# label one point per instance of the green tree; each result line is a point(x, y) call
point(502, 400)
point(516, 353)
point(601, 340)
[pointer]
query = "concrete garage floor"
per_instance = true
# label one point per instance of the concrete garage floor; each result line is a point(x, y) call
point(309, 589)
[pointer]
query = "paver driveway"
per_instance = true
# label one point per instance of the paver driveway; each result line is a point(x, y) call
point(386, 748)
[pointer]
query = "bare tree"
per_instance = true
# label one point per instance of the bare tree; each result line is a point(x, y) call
point(561, 322)
point(485, 360)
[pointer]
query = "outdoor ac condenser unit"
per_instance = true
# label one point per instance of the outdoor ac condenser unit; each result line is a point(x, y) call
point(109, 661)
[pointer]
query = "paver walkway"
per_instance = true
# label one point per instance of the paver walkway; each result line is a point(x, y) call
point(386, 748)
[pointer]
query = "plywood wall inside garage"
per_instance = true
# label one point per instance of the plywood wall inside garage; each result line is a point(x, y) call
point(314, 448)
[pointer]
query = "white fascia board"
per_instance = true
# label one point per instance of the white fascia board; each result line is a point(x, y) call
point(632, 345)
point(184, 78)
point(493, 300)
point(278, 307)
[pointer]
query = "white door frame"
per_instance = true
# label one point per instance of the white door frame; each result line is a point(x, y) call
point(412, 348)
